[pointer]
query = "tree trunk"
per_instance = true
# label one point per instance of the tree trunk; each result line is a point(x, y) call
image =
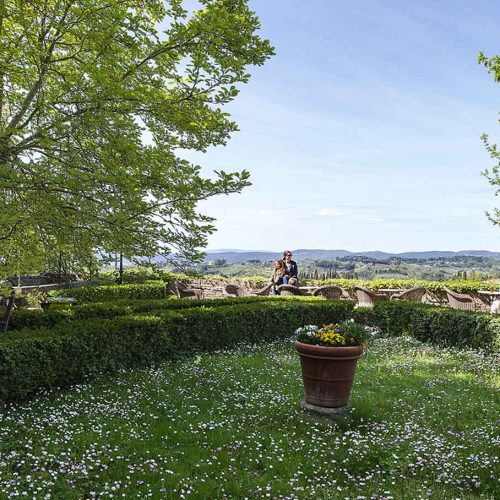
point(120, 271)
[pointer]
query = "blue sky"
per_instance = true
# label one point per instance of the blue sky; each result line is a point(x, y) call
point(363, 131)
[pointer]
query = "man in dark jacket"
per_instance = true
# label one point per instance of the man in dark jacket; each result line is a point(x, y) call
point(291, 269)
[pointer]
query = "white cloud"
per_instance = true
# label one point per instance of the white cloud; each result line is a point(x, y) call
point(352, 215)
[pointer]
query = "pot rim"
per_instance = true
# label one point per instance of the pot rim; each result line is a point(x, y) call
point(327, 350)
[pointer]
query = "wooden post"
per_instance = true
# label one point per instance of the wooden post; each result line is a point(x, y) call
point(4, 321)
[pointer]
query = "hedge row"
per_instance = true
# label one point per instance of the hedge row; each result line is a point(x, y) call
point(67, 352)
point(145, 274)
point(159, 289)
point(461, 286)
point(31, 360)
point(90, 294)
point(142, 275)
point(123, 307)
point(438, 325)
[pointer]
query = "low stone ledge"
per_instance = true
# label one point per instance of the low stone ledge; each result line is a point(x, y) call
point(338, 414)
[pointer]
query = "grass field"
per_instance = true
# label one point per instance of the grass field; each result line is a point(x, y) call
point(425, 425)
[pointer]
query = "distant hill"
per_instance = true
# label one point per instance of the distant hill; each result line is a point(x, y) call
point(232, 256)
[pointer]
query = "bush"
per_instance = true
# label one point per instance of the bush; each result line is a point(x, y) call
point(124, 307)
point(107, 293)
point(34, 359)
point(65, 355)
point(365, 316)
point(461, 286)
point(141, 275)
point(21, 319)
point(439, 325)
point(394, 318)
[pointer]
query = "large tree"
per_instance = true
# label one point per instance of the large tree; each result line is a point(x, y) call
point(98, 100)
point(492, 64)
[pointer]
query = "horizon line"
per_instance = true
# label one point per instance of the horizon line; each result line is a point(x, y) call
point(237, 250)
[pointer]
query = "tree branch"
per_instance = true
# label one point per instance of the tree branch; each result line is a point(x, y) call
point(45, 62)
point(156, 53)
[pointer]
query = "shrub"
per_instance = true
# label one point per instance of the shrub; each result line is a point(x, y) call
point(394, 318)
point(109, 277)
point(89, 294)
point(65, 355)
point(140, 275)
point(439, 325)
point(34, 359)
point(207, 329)
point(365, 316)
point(461, 286)
point(21, 319)
point(124, 307)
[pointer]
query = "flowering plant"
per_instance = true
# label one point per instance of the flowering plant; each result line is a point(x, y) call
point(344, 334)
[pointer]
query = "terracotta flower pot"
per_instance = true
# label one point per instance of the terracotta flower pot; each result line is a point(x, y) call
point(328, 373)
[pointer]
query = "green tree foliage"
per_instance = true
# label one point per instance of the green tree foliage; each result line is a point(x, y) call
point(98, 100)
point(492, 64)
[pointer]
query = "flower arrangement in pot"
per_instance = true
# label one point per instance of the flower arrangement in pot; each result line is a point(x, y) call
point(328, 357)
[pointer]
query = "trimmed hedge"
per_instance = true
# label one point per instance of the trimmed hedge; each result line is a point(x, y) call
point(106, 293)
point(31, 360)
point(461, 286)
point(123, 307)
point(365, 316)
point(138, 275)
point(144, 275)
point(32, 320)
point(439, 325)
point(47, 358)
point(65, 352)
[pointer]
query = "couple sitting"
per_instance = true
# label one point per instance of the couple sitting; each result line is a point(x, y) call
point(285, 272)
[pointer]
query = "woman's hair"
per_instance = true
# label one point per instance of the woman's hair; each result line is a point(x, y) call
point(285, 252)
point(281, 269)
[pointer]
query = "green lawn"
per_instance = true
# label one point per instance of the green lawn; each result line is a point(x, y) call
point(425, 424)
